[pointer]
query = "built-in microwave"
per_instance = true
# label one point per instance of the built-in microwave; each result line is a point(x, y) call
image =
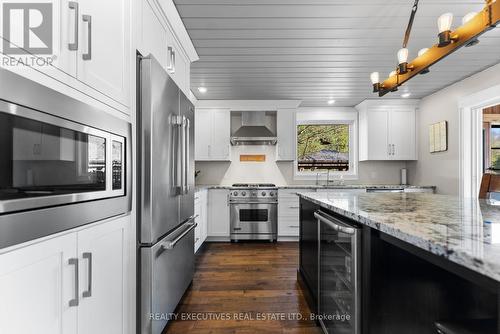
point(48, 161)
point(63, 163)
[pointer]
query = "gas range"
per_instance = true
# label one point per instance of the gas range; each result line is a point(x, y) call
point(254, 212)
point(257, 191)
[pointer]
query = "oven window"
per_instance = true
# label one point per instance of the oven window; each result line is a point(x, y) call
point(40, 159)
point(254, 215)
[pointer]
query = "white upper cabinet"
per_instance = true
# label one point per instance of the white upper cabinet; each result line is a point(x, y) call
point(153, 35)
point(91, 52)
point(162, 34)
point(286, 127)
point(65, 26)
point(402, 133)
point(387, 130)
point(104, 47)
point(212, 134)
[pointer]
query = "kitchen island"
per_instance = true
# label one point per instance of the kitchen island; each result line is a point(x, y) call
point(421, 258)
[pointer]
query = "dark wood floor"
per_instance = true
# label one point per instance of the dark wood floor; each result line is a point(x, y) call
point(249, 279)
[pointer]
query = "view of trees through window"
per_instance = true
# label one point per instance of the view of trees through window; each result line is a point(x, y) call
point(322, 147)
point(495, 147)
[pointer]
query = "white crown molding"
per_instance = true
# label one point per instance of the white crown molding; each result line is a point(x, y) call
point(249, 105)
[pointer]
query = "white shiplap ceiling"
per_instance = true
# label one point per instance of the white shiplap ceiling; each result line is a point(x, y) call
point(316, 50)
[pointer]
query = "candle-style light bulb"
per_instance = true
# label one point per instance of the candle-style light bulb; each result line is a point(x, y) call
point(375, 78)
point(444, 26)
point(403, 55)
point(444, 22)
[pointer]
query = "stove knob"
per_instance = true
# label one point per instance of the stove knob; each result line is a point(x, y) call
point(235, 193)
point(264, 193)
point(271, 194)
point(244, 193)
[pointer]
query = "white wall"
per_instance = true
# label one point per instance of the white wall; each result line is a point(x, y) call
point(442, 169)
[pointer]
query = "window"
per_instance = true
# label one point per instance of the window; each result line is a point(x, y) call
point(323, 147)
point(495, 147)
point(326, 146)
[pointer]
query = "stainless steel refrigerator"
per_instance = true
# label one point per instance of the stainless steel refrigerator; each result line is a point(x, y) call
point(165, 195)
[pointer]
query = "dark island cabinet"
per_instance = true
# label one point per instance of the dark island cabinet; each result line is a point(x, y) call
point(385, 285)
point(330, 266)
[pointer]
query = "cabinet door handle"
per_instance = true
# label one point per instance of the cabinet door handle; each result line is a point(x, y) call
point(88, 19)
point(393, 149)
point(74, 6)
point(294, 207)
point(173, 61)
point(170, 51)
point(74, 301)
point(294, 226)
point(88, 293)
point(389, 149)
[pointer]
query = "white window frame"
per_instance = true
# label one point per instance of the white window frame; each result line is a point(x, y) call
point(325, 117)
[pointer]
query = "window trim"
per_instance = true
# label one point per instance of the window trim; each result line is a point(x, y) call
point(352, 174)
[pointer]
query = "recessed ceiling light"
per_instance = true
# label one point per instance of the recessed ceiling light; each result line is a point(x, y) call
point(202, 90)
point(405, 95)
point(330, 102)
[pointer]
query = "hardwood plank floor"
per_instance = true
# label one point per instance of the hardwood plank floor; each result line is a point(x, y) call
point(251, 285)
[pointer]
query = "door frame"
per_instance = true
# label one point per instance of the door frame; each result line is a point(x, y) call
point(471, 142)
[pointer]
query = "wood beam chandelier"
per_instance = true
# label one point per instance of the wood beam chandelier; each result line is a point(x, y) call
point(473, 25)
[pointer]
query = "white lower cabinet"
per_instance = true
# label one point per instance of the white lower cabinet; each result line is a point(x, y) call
point(102, 252)
point(218, 213)
point(200, 210)
point(289, 212)
point(74, 283)
point(36, 285)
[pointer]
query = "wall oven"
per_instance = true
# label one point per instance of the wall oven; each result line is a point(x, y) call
point(62, 162)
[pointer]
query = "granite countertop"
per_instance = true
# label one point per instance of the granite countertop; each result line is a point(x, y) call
point(312, 186)
point(458, 230)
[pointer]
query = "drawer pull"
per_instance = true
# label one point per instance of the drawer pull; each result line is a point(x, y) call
point(294, 226)
point(294, 207)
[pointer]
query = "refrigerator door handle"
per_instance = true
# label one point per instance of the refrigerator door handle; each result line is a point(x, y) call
point(171, 244)
point(186, 155)
point(183, 156)
point(177, 123)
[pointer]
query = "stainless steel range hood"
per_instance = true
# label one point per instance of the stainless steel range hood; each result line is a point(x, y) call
point(253, 130)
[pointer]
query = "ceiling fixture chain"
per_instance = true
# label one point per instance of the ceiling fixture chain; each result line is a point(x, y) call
point(410, 23)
